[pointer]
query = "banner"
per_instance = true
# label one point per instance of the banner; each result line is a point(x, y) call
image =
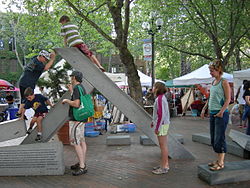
point(147, 49)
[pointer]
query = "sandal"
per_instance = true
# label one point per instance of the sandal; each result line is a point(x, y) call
point(75, 166)
point(80, 171)
point(217, 167)
point(212, 163)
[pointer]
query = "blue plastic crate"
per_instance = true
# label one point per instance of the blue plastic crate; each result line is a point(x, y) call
point(91, 133)
point(101, 124)
point(130, 127)
point(194, 112)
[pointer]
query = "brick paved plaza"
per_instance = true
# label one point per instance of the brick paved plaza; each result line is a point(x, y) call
point(130, 166)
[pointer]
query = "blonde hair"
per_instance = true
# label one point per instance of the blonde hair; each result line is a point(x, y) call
point(216, 64)
point(160, 88)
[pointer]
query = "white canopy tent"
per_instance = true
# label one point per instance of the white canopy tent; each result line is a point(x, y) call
point(199, 76)
point(239, 76)
point(144, 79)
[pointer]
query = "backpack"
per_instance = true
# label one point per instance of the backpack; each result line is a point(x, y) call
point(86, 108)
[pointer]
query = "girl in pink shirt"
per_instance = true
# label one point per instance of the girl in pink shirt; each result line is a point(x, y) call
point(161, 123)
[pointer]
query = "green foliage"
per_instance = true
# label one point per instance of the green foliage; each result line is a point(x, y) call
point(56, 81)
point(11, 77)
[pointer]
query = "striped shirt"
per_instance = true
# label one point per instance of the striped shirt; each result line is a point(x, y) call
point(70, 31)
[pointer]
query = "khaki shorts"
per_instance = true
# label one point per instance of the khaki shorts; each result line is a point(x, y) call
point(76, 132)
point(163, 130)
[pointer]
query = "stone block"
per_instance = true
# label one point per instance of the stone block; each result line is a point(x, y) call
point(232, 147)
point(32, 159)
point(240, 138)
point(233, 172)
point(235, 149)
point(121, 140)
point(146, 141)
point(203, 138)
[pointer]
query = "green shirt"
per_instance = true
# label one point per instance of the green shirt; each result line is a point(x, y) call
point(70, 31)
point(217, 97)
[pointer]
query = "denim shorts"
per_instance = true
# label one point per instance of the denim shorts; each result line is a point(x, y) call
point(218, 127)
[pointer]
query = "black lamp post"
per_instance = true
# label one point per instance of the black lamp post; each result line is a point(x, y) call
point(152, 27)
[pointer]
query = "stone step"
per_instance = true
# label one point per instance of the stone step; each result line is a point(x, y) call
point(32, 159)
point(121, 140)
point(232, 172)
point(203, 138)
point(240, 138)
point(232, 147)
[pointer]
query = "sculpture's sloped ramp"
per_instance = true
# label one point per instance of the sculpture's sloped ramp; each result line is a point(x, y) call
point(119, 98)
point(12, 129)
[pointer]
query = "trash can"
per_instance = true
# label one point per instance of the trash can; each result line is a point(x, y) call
point(12, 112)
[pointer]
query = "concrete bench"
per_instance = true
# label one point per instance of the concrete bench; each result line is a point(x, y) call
point(240, 138)
point(233, 172)
point(232, 147)
point(32, 159)
point(121, 140)
point(144, 140)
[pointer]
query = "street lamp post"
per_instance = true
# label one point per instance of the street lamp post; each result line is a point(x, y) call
point(152, 28)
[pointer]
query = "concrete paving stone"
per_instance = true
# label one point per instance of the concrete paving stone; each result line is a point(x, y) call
point(120, 140)
point(233, 172)
point(32, 159)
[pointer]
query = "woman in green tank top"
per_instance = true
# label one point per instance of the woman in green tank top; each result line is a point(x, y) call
point(217, 104)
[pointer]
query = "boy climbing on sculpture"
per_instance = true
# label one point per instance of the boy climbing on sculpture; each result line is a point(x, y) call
point(39, 104)
point(72, 38)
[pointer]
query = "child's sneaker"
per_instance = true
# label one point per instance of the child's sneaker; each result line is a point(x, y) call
point(160, 171)
point(29, 130)
point(38, 138)
point(156, 167)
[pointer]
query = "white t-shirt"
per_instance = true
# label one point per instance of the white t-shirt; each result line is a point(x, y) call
point(240, 97)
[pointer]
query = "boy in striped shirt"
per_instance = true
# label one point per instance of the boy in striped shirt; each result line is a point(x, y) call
point(72, 38)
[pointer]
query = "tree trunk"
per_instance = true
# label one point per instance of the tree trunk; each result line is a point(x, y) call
point(185, 67)
point(132, 74)
point(237, 58)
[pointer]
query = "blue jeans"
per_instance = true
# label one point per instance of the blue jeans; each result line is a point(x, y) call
point(217, 132)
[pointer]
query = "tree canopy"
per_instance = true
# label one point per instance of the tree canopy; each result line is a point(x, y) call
point(200, 29)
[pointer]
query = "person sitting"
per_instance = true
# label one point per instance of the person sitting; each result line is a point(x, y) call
point(39, 104)
point(9, 99)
